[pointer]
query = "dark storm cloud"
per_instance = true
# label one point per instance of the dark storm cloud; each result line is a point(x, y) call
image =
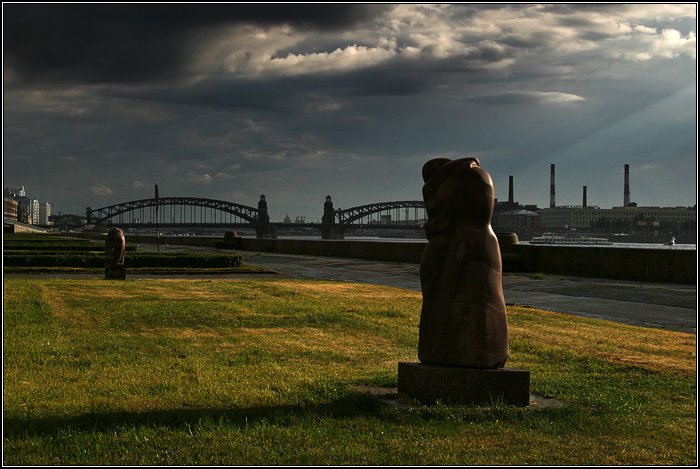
point(393, 78)
point(288, 94)
point(299, 101)
point(129, 43)
point(224, 93)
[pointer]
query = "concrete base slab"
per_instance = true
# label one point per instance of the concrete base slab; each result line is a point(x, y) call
point(429, 384)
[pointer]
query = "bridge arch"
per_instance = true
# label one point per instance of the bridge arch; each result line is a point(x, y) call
point(108, 213)
point(348, 216)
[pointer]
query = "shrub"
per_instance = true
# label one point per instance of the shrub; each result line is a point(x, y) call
point(89, 259)
point(41, 248)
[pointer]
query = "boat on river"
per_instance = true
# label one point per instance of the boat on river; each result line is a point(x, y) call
point(570, 239)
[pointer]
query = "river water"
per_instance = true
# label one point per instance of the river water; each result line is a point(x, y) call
point(418, 240)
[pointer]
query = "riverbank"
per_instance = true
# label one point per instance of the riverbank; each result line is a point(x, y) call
point(652, 265)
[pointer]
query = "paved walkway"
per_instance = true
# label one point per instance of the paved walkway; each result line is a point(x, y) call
point(668, 306)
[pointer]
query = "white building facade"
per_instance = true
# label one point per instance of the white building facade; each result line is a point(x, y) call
point(44, 214)
point(28, 211)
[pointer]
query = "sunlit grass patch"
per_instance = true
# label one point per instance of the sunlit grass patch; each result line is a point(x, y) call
point(647, 348)
point(204, 371)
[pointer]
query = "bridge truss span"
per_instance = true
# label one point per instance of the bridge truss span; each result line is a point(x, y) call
point(174, 210)
point(408, 211)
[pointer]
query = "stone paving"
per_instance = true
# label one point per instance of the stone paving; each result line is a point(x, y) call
point(668, 306)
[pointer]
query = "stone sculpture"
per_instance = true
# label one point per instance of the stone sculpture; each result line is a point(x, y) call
point(463, 318)
point(115, 246)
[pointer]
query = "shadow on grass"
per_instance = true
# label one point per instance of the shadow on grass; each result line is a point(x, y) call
point(354, 405)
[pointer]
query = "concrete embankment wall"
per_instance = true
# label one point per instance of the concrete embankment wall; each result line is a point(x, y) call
point(372, 250)
point(378, 251)
point(205, 241)
point(654, 265)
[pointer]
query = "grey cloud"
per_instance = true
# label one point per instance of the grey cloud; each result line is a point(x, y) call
point(571, 8)
point(489, 52)
point(533, 40)
point(290, 95)
point(522, 97)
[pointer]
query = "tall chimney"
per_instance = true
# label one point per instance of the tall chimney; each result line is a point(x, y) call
point(552, 198)
point(510, 189)
point(585, 198)
point(626, 201)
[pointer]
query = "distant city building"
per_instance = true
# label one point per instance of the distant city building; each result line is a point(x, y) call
point(17, 206)
point(28, 211)
point(14, 193)
point(45, 214)
point(67, 220)
point(287, 219)
point(9, 208)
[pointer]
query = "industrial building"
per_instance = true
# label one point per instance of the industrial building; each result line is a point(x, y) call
point(585, 218)
point(528, 220)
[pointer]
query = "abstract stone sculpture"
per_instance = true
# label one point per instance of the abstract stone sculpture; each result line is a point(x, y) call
point(463, 319)
point(115, 245)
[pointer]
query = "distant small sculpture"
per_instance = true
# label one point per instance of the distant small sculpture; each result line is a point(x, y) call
point(263, 217)
point(328, 212)
point(115, 246)
point(463, 318)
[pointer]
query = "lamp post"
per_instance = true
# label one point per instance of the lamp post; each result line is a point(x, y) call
point(157, 219)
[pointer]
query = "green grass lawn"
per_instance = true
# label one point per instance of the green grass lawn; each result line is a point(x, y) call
point(258, 372)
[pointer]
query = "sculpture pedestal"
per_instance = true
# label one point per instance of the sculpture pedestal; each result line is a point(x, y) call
point(429, 384)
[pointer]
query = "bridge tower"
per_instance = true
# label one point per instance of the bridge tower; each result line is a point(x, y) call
point(329, 229)
point(263, 227)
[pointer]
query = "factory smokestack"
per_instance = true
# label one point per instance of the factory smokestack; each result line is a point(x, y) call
point(585, 196)
point(510, 189)
point(626, 200)
point(552, 196)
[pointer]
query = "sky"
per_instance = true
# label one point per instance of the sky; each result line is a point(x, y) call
point(300, 101)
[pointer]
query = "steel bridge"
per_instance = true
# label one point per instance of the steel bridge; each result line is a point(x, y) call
point(195, 212)
point(175, 211)
point(382, 214)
